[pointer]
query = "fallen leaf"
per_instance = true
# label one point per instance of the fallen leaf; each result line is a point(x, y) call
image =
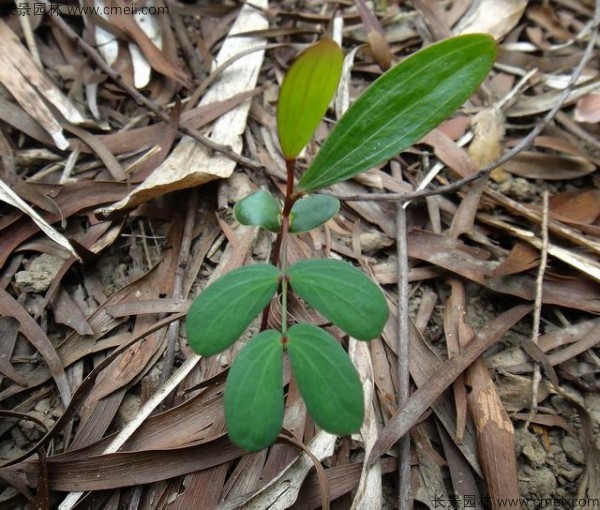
point(588, 108)
point(191, 164)
point(495, 17)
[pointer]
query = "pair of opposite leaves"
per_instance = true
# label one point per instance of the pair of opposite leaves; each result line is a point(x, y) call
point(326, 378)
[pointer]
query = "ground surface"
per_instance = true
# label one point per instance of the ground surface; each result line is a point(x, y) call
point(85, 346)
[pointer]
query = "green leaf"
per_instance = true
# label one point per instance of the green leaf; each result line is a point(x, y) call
point(327, 379)
point(342, 294)
point(259, 209)
point(221, 313)
point(402, 106)
point(254, 393)
point(305, 93)
point(312, 211)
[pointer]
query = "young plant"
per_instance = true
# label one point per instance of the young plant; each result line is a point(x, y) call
point(397, 110)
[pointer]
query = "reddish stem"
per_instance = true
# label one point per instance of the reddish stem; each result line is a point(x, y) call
point(290, 200)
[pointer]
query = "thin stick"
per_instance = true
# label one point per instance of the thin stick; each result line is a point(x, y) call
point(403, 361)
point(144, 101)
point(537, 310)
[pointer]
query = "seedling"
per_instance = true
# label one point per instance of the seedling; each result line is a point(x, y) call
point(397, 110)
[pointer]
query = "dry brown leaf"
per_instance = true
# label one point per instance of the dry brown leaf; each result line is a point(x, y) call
point(551, 167)
point(136, 139)
point(522, 257)
point(425, 364)
point(190, 164)
point(31, 87)
point(581, 207)
point(8, 196)
point(68, 313)
point(488, 130)
point(494, 430)
point(515, 391)
point(539, 103)
point(369, 488)
point(453, 256)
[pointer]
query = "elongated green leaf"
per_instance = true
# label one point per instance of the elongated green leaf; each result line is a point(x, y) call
point(259, 209)
point(312, 211)
point(305, 93)
point(254, 393)
point(221, 313)
point(327, 379)
point(401, 107)
point(342, 294)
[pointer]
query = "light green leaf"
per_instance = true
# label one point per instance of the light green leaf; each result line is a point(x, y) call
point(342, 294)
point(402, 106)
point(221, 313)
point(312, 211)
point(259, 209)
point(254, 393)
point(305, 93)
point(327, 379)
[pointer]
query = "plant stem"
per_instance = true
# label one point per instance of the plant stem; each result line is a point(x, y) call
point(279, 255)
point(283, 263)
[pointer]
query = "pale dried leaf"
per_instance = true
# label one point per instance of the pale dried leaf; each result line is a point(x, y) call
point(32, 88)
point(10, 197)
point(369, 488)
point(190, 164)
point(495, 17)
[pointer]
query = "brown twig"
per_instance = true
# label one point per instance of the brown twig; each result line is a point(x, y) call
point(148, 103)
point(537, 307)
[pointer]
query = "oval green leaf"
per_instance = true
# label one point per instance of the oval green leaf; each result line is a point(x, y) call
point(342, 294)
point(221, 313)
point(402, 106)
point(254, 393)
point(305, 93)
point(259, 209)
point(327, 379)
point(312, 211)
